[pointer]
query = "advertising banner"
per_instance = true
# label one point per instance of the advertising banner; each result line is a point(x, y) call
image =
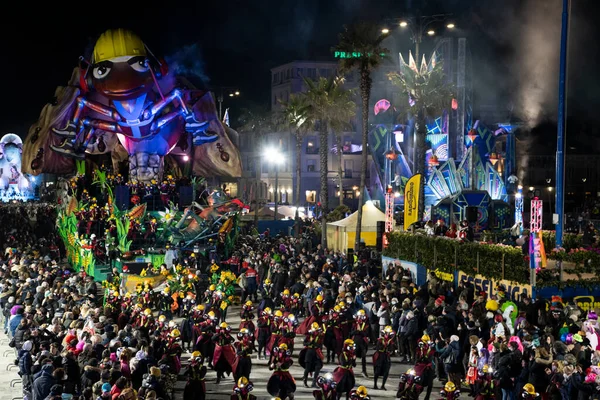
point(417, 272)
point(514, 291)
point(412, 191)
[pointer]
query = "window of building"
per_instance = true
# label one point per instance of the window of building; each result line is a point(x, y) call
point(311, 73)
point(324, 72)
point(311, 145)
point(348, 168)
point(349, 194)
point(311, 196)
point(311, 165)
point(299, 72)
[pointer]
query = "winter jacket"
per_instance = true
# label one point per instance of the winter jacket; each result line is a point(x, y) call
point(21, 335)
point(412, 329)
point(90, 376)
point(14, 323)
point(25, 362)
point(585, 390)
point(42, 383)
point(445, 356)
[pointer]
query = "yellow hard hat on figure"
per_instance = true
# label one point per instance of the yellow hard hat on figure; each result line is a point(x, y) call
point(118, 43)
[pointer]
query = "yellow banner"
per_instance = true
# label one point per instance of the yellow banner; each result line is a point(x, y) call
point(412, 190)
point(514, 291)
point(445, 276)
point(542, 251)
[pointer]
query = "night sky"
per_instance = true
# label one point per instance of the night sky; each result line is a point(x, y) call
point(235, 43)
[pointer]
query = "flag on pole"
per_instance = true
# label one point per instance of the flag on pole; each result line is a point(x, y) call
point(226, 117)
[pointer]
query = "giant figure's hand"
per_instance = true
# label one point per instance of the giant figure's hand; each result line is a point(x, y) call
point(198, 131)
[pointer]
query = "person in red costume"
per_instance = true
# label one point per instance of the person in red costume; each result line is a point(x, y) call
point(247, 315)
point(311, 357)
point(381, 358)
point(288, 331)
point(424, 362)
point(224, 356)
point(360, 334)
point(242, 389)
point(276, 327)
point(263, 333)
point(195, 388)
point(327, 388)
point(343, 374)
point(244, 348)
point(317, 311)
point(281, 383)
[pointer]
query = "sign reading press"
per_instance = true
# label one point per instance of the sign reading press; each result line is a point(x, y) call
point(514, 291)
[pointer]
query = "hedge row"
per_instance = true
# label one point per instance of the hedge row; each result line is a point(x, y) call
point(490, 260)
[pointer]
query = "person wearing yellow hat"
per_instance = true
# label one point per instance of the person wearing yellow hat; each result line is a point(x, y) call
point(424, 362)
point(195, 387)
point(311, 356)
point(224, 355)
point(281, 384)
point(246, 316)
point(528, 392)
point(381, 358)
point(317, 313)
point(343, 374)
point(277, 323)
point(360, 334)
point(165, 302)
point(361, 393)
point(203, 334)
point(264, 326)
point(242, 389)
point(288, 330)
point(244, 348)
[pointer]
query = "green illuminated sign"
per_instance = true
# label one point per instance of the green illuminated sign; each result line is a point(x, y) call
point(351, 54)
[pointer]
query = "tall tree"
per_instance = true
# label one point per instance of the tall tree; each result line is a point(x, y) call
point(363, 41)
point(294, 116)
point(428, 94)
point(257, 122)
point(327, 107)
point(345, 111)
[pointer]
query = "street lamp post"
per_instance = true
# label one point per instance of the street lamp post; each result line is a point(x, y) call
point(220, 97)
point(274, 156)
point(420, 26)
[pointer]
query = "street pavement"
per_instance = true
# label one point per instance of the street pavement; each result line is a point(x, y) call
point(260, 374)
point(10, 382)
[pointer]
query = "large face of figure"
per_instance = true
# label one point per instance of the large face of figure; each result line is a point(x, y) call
point(121, 70)
point(12, 154)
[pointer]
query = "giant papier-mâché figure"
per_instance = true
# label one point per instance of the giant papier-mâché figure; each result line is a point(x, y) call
point(11, 148)
point(124, 91)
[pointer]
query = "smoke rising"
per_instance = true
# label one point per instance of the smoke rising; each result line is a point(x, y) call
point(188, 62)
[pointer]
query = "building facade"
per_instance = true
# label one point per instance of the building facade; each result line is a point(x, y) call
point(286, 80)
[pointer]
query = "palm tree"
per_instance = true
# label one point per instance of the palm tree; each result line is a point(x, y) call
point(257, 122)
point(294, 116)
point(362, 39)
point(345, 111)
point(328, 105)
point(429, 94)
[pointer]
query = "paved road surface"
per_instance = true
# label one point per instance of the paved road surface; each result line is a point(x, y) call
point(261, 374)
